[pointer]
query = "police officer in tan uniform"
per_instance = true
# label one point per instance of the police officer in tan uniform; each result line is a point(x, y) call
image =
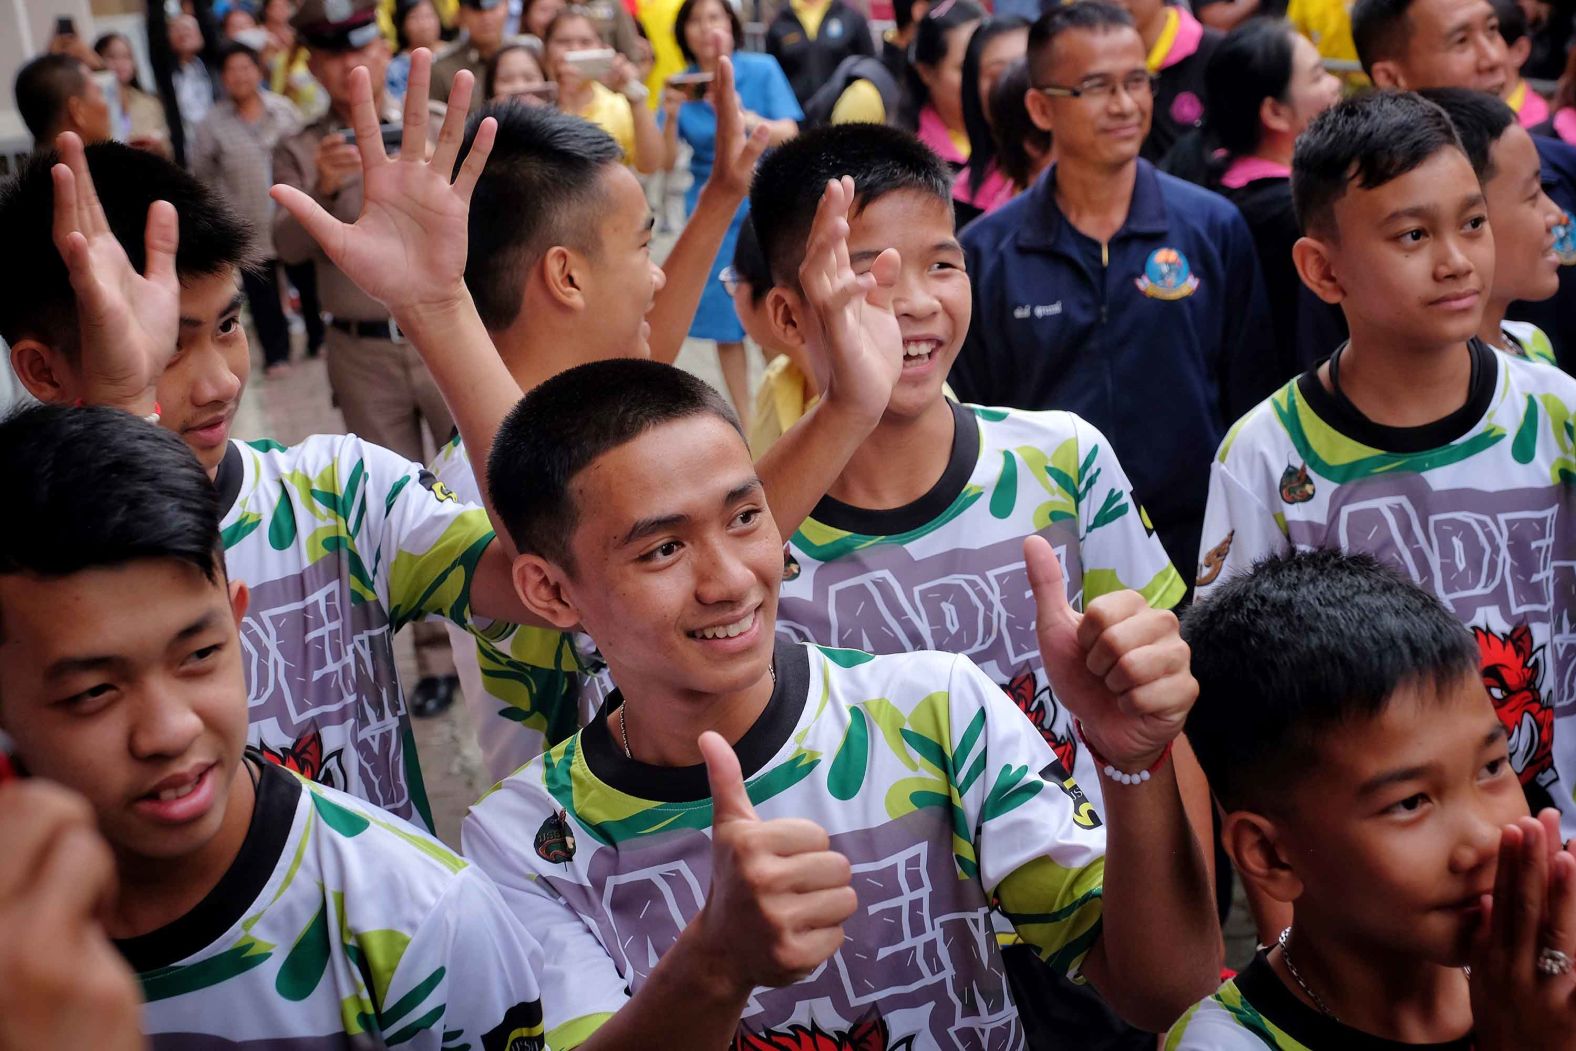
point(484, 22)
point(379, 381)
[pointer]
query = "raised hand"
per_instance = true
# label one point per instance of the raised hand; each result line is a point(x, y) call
point(778, 896)
point(1120, 666)
point(850, 314)
point(127, 323)
point(737, 151)
point(407, 249)
point(62, 984)
point(1533, 908)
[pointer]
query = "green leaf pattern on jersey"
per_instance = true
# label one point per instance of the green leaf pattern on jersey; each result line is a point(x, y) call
point(1562, 426)
point(827, 544)
point(536, 679)
point(1070, 483)
point(1332, 455)
point(1228, 998)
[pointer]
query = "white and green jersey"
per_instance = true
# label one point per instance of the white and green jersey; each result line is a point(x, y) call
point(947, 573)
point(522, 684)
point(339, 926)
point(925, 776)
point(1477, 508)
point(341, 543)
point(1256, 1012)
point(1526, 340)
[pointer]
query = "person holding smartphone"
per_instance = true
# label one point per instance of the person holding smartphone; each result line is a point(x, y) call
point(707, 30)
point(583, 67)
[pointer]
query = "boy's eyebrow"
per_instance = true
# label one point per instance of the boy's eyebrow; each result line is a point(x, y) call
point(869, 255)
point(1412, 773)
point(646, 527)
point(234, 307)
point(69, 665)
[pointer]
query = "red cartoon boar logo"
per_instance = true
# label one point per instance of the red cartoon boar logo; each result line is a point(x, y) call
point(1040, 707)
point(1512, 668)
point(305, 757)
point(869, 1033)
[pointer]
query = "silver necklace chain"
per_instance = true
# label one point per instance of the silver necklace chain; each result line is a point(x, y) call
point(1284, 941)
point(623, 712)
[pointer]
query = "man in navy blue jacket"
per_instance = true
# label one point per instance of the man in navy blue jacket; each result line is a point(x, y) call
point(1113, 290)
point(1410, 45)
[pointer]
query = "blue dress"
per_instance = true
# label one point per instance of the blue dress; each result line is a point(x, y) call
point(764, 90)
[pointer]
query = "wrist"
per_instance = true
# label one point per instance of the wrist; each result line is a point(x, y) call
point(1127, 769)
point(850, 411)
point(708, 973)
point(440, 313)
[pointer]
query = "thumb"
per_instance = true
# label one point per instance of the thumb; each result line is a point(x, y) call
point(323, 228)
point(885, 270)
point(160, 240)
point(1052, 610)
point(729, 799)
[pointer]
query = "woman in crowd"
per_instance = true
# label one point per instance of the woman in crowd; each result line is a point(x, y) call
point(516, 72)
point(142, 122)
point(1023, 148)
point(621, 110)
point(537, 15)
point(1262, 86)
point(416, 24)
point(288, 74)
point(995, 46)
point(933, 89)
point(707, 30)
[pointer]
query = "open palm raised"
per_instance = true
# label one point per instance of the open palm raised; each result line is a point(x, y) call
point(407, 248)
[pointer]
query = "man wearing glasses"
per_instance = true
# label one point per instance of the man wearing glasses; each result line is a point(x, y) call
point(1112, 290)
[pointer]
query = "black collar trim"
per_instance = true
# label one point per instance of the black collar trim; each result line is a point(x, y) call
point(228, 478)
point(688, 784)
point(893, 521)
point(237, 890)
point(1262, 988)
point(1341, 414)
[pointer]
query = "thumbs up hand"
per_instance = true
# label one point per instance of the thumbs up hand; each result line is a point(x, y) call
point(1119, 666)
point(778, 896)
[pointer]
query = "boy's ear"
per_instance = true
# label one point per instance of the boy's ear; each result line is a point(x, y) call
point(783, 308)
point(564, 275)
point(1312, 259)
point(1386, 73)
point(540, 585)
point(44, 371)
point(240, 600)
point(1254, 843)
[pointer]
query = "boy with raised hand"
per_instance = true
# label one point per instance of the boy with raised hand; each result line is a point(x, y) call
point(629, 490)
point(341, 541)
point(560, 269)
point(259, 909)
point(1526, 268)
point(919, 543)
point(1415, 442)
point(1374, 794)
point(408, 249)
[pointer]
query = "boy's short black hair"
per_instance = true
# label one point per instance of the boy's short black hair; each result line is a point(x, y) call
point(561, 426)
point(42, 88)
point(791, 179)
point(95, 488)
point(1379, 30)
point(1303, 644)
point(749, 262)
point(230, 48)
point(1479, 119)
point(1368, 141)
point(38, 302)
point(542, 187)
point(1094, 16)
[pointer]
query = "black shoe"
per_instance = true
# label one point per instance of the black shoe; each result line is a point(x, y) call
point(433, 696)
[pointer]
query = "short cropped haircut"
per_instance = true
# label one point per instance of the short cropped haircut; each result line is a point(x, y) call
point(1380, 29)
point(1092, 16)
point(560, 427)
point(42, 88)
point(541, 187)
point(791, 179)
point(1304, 643)
point(680, 20)
point(749, 262)
point(96, 488)
point(38, 302)
point(1368, 140)
point(230, 48)
point(1479, 119)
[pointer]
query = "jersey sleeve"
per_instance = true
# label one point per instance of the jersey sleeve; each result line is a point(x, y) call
point(428, 543)
point(1209, 1026)
point(1238, 528)
point(1038, 844)
point(467, 978)
point(1118, 548)
point(580, 984)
